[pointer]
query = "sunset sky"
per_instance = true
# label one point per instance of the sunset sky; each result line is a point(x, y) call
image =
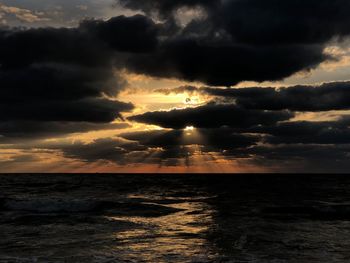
point(174, 86)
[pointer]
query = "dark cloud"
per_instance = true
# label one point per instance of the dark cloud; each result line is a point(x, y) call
point(55, 81)
point(325, 97)
point(24, 47)
point(15, 131)
point(212, 116)
point(316, 98)
point(293, 145)
point(223, 138)
point(87, 110)
point(291, 21)
point(112, 149)
point(243, 39)
point(156, 138)
point(93, 43)
point(250, 136)
point(109, 149)
point(68, 74)
point(223, 54)
point(177, 145)
point(174, 147)
point(268, 22)
point(130, 34)
point(327, 132)
point(225, 64)
point(165, 147)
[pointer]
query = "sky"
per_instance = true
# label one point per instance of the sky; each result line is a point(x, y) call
point(174, 86)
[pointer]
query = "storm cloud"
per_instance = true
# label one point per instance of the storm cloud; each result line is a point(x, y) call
point(267, 22)
point(325, 97)
point(57, 81)
point(243, 40)
point(67, 74)
point(212, 115)
point(19, 131)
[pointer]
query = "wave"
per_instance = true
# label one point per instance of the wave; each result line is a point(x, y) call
point(320, 212)
point(70, 205)
point(51, 205)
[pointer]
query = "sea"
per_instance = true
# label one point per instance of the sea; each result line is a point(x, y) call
point(157, 218)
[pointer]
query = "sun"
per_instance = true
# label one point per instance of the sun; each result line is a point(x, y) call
point(189, 128)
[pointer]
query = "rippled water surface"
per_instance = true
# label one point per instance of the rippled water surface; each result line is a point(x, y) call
point(174, 218)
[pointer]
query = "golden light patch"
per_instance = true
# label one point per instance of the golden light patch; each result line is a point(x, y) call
point(320, 116)
point(189, 128)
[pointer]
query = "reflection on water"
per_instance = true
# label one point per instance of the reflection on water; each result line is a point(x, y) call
point(173, 218)
point(171, 238)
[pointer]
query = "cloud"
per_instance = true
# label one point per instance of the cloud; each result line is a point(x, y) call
point(57, 81)
point(68, 70)
point(88, 110)
point(175, 147)
point(212, 115)
point(130, 34)
point(225, 63)
point(226, 51)
point(212, 49)
point(93, 43)
point(17, 131)
point(325, 97)
point(310, 98)
point(108, 149)
point(68, 74)
point(286, 146)
point(264, 136)
point(268, 22)
point(327, 132)
point(219, 138)
point(242, 40)
point(164, 148)
point(24, 15)
point(165, 7)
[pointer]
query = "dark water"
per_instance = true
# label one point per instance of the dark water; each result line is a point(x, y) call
point(174, 218)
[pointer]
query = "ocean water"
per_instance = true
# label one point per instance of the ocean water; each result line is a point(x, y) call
point(174, 218)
